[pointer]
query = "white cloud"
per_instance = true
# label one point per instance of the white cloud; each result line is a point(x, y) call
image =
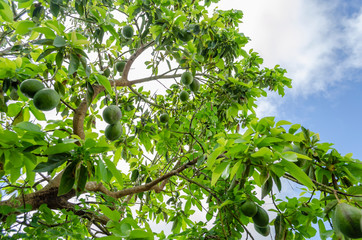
point(317, 47)
point(352, 39)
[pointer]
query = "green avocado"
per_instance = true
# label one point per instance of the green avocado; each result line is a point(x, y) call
point(112, 114)
point(184, 96)
point(348, 220)
point(265, 231)
point(261, 218)
point(249, 208)
point(195, 85)
point(107, 72)
point(120, 66)
point(164, 118)
point(127, 31)
point(30, 87)
point(186, 78)
point(113, 131)
point(46, 99)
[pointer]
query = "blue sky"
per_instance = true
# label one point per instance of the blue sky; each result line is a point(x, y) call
point(319, 43)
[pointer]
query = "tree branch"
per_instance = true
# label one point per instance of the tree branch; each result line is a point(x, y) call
point(99, 187)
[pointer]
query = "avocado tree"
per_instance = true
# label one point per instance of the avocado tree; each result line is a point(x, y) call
point(87, 151)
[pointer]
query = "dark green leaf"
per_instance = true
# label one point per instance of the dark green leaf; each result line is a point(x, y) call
point(280, 228)
point(54, 8)
point(53, 162)
point(82, 178)
point(44, 42)
point(59, 59)
point(73, 64)
point(68, 179)
point(267, 187)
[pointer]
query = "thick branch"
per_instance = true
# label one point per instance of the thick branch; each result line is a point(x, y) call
point(99, 187)
point(81, 111)
point(47, 196)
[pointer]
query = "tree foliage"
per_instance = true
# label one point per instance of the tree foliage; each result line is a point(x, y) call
point(209, 153)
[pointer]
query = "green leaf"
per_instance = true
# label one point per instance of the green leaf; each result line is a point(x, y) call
point(59, 42)
point(263, 152)
point(59, 59)
point(298, 173)
point(44, 42)
point(268, 141)
point(8, 137)
point(290, 156)
point(146, 141)
point(48, 32)
point(280, 228)
point(39, 115)
point(104, 82)
point(14, 109)
point(217, 172)
point(82, 178)
point(68, 179)
point(5, 12)
point(60, 148)
point(54, 8)
point(111, 214)
point(53, 162)
point(24, 27)
point(141, 234)
point(266, 188)
point(282, 122)
point(45, 53)
point(28, 126)
point(73, 63)
point(212, 157)
point(116, 173)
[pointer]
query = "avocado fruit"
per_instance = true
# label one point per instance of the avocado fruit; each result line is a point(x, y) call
point(112, 114)
point(30, 87)
point(261, 218)
point(195, 86)
point(164, 118)
point(186, 78)
point(46, 99)
point(120, 66)
point(184, 96)
point(348, 220)
point(265, 231)
point(113, 131)
point(249, 208)
point(127, 31)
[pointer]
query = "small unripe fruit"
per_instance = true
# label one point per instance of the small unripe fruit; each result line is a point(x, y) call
point(112, 114)
point(186, 78)
point(261, 218)
point(107, 72)
point(164, 118)
point(120, 66)
point(113, 131)
point(127, 31)
point(46, 99)
point(30, 87)
point(249, 208)
point(195, 85)
point(265, 231)
point(184, 96)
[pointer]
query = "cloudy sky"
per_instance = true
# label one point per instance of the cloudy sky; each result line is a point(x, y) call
point(319, 43)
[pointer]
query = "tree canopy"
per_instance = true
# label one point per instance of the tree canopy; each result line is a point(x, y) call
point(179, 135)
